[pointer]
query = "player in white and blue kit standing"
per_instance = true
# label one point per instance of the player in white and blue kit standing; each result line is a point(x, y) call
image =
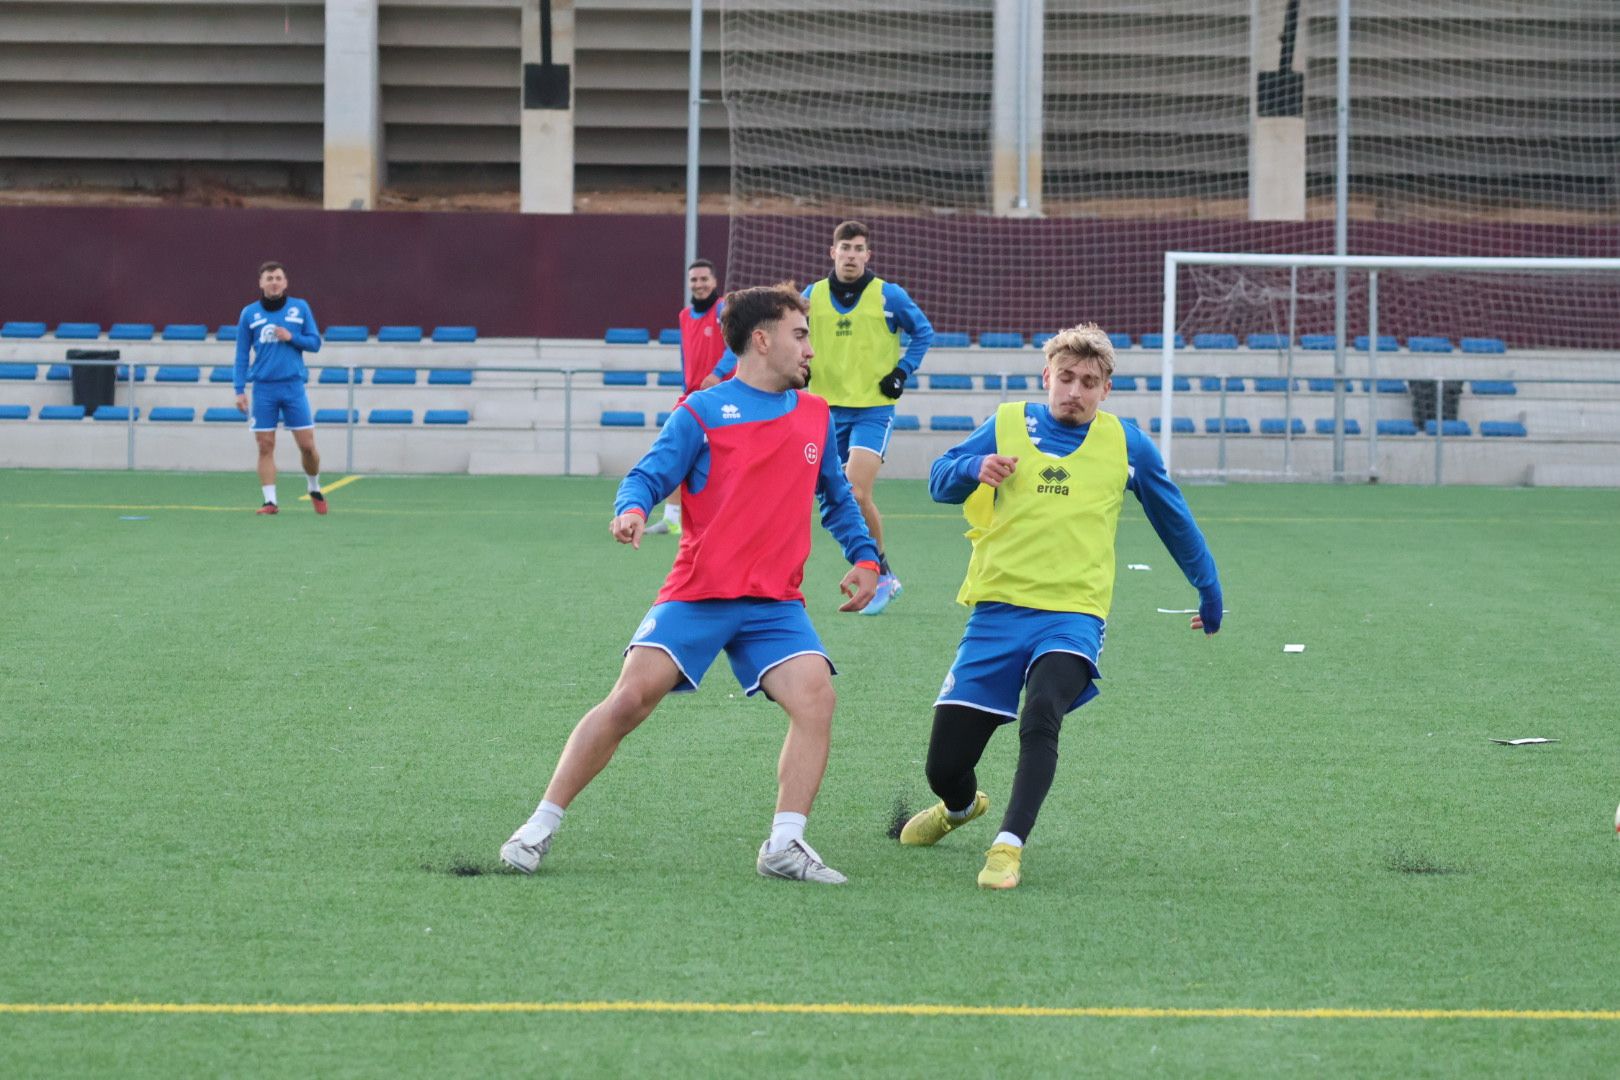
point(278, 329)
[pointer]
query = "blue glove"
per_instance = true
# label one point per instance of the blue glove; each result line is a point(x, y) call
point(1209, 612)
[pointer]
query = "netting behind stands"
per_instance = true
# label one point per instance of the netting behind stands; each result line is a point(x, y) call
point(1478, 128)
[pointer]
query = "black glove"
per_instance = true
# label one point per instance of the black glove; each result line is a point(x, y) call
point(893, 384)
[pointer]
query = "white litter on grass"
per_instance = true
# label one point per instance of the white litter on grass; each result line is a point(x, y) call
point(1522, 742)
point(1293, 648)
point(1138, 566)
point(134, 517)
point(1188, 611)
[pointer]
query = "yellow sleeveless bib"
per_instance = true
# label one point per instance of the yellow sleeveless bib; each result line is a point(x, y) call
point(853, 351)
point(1045, 538)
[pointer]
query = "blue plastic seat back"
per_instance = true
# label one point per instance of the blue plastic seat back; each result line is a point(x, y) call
point(398, 334)
point(338, 335)
point(626, 335)
point(446, 416)
point(450, 377)
point(390, 416)
point(185, 332)
point(173, 414)
point(455, 334)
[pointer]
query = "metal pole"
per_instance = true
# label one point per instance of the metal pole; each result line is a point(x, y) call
point(1372, 375)
point(349, 422)
point(694, 120)
point(1023, 107)
point(568, 422)
point(1167, 366)
point(1341, 210)
point(1439, 427)
point(1288, 391)
point(129, 419)
point(1221, 463)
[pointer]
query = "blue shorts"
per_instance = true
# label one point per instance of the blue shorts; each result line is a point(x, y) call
point(285, 401)
point(866, 428)
point(1003, 641)
point(757, 635)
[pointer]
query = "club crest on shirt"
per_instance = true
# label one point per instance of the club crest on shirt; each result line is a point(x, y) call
point(812, 452)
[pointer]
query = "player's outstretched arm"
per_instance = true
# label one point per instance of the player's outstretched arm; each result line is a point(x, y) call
point(955, 473)
point(840, 513)
point(673, 457)
point(1167, 511)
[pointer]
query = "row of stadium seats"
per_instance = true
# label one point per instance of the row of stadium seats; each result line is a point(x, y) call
point(81, 331)
point(175, 414)
point(1181, 425)
point(626, 335)
point(181, 373)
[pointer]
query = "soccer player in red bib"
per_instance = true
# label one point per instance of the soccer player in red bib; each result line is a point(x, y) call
point(705, 360)
point(751, 454)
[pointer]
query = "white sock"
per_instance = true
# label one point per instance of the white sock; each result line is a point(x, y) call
point(1007, 838)
point(546, 819)
point(961, 815)
point(786, 827)
point(269, 492)
point(672, 513)
point(314, 481)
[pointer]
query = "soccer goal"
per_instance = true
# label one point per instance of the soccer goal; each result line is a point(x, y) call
point(1515, 362)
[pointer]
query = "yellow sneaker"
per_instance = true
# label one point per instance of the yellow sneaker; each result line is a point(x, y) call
point(1001, 867)
point(930, 826)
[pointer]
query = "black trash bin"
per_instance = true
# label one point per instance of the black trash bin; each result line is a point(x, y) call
point(1423, 403)
point(93, 384)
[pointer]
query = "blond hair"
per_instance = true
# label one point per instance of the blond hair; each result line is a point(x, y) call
point(1084, 342)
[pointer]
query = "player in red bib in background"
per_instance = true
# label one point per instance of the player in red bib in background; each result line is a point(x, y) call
point(705, 360)
point(753, 454)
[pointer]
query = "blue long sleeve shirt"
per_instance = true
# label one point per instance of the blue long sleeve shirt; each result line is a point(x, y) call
point(275, 361)
point(681, 452)
point(901, 312)
point(955, 475)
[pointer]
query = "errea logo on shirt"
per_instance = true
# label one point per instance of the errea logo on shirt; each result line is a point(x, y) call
point(730, 412)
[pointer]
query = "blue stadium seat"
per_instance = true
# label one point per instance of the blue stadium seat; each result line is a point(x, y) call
point(64, 412)
point(337, 416)
point(226, 333)
point(1351, 426)
point(1274, 342)
point(131, 331)
point(911, 381)
point(342, 334)
point(1452, 428)
point(178, 373)
point(624, 378)
point(1041, 337)
point(223, 414)
point(1271, 386)
point(14, 412)
point(1386, 386)
point(1012, 382)
point(626, 335)
point(623, 418)
point(394, 377)
point(951, 422)
point(1277, 425)
point(1180, 385)
point(123, 373)
point(1119, 341)
point(59, 372)
point(173, 414)
point(1211, 384)
point(79, 331)
point(1235, 425)
point(1179, 425)
point(27, 372)
point(951, 339)
point(185, 332)
point(1498, 429)
point(907, 422)
point(22, 330)
point(341, 375)
point(1001, 341)
point(450, 377)
point(1483, 345)
point(222, 374)
point(950, 382)
point(446, 416)
point(669, 336)
point(1429, 344)
point(1494, 387)
point(663, 418)
point(671, 378)
point(1125, 382)
point(391, 416)
point(457, 335)
point(1386, 343)
point(1156, 341)
point(1397, 427)
point(396, 335)
point(1326, 386)
point(1317, 342)
point(1215, 341)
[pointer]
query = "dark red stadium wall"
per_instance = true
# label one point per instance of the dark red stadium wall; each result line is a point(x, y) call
point(575, 275)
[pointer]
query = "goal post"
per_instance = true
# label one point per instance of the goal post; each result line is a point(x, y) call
point(1558, 282)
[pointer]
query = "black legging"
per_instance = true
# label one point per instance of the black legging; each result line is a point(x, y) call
point(961, 733)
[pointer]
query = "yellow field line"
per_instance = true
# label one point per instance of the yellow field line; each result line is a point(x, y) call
point(797, 1009)
point(332, 487)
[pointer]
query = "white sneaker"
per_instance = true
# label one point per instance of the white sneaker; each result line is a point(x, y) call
point(524, 856)
point(796, 862)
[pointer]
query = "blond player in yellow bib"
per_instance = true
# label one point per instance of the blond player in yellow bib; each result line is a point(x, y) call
point(855, 323)
point(1042, 486)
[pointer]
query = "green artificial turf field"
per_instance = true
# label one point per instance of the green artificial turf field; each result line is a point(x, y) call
point(268, 761)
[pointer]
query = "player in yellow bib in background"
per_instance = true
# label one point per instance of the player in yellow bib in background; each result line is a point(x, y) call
point(855, 323)
point(1042, 486)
